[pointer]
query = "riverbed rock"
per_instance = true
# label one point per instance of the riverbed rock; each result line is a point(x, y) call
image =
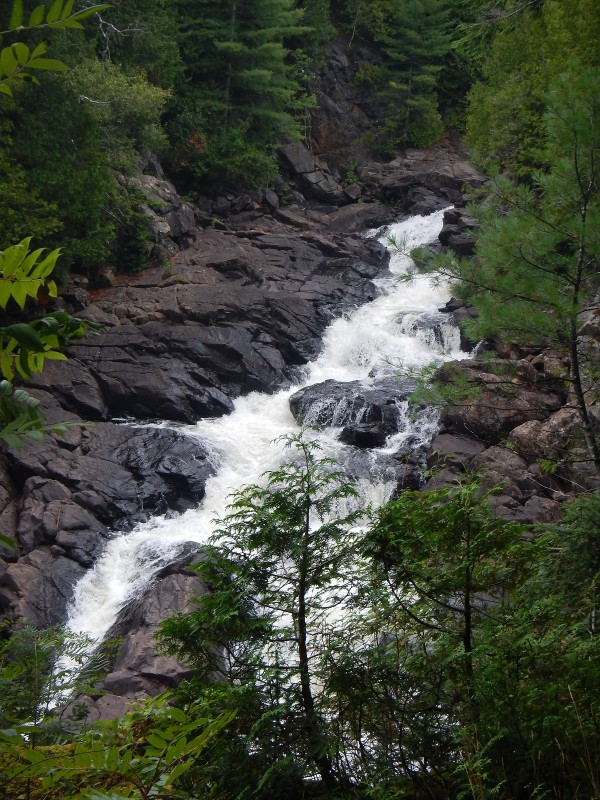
point(458, 232)
point(139, 670)
point(71, 498)
point(312, 178)
point(504, 394)
point(352, 405)
point(444, 170)
point(238, 312)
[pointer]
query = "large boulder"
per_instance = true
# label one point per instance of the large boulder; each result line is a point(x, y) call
point(352, 405)
point(443, 170)
point(70, 498)
point(138, 669)
point(312, 178)
point(502, 395)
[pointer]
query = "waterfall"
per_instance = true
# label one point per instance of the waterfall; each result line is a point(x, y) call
point(401, 329)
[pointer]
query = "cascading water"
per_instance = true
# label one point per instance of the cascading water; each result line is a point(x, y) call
point(401, 329)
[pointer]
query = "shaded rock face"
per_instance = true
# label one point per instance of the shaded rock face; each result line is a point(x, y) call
point(238, 312)
point(458, 232)
point(506, 433)
point(139, 670)
point(422, 180)
point(312, 178)
point(507, 395)
point(68, 495)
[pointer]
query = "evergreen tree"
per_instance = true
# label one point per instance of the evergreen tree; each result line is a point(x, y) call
point(239, 95)
point(517, 51)
point(535, 273)
point(415, 48)
point(279, 566)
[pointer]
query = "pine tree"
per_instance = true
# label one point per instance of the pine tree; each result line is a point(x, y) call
point(239, 94)
point(415, 46)
point(535, 274)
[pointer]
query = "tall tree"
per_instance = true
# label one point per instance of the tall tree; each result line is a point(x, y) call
point(279, 567)
point(415, 44)
point(239, 95)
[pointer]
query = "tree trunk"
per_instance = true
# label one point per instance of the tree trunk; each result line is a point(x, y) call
point(316, 740)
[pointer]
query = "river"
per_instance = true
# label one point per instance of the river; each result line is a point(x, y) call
point(400, 330)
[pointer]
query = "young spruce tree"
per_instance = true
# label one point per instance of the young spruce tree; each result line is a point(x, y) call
point(281, 566)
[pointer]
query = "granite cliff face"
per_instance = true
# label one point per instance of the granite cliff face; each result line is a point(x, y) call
point(239, 306)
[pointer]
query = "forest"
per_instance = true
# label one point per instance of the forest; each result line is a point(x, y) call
point(464, 664)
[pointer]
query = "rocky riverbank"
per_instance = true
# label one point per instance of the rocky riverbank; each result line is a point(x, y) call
point(240, 305)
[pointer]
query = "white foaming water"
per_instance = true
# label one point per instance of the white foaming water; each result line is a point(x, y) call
point(373, 341)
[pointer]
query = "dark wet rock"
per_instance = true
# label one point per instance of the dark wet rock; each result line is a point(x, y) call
point(9, 499)
point(312, 178)
point(38, 587)
point(453, 452)
point(360, 217)
point(138, 670)
point(459, 232)
point(352, 405)
point(366, 435)
point(71, 498)
point(461, 313)
point(167, 215)
point(238, 311)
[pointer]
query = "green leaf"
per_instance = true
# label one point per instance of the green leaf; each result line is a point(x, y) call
point(26, 336)
point(71, 23)
point(88, 12)
point(19, 293)
point(22, 364)
point(179, 770)
point(52, 64)
point(156, 741)
point(6, 365)
point(16, 16)
point(67, 10)
point(5, 89)
point(8, 61)
point(54, 12)
point(21, 52)
point(5, 292)
point(37, 16)
point(41, 48)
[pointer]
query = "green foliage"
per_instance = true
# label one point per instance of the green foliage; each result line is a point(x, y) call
point(517, 51)
point(17, 60)
point(24, 347)
point(142, 36)
point(23, 273)
point(538, 247)
point(279, 562)
point(415, 45)
point(21, 416)
point(146, 754)
point(238, 85)
point(31, 684)
point(320, 31)
point(22, 208)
